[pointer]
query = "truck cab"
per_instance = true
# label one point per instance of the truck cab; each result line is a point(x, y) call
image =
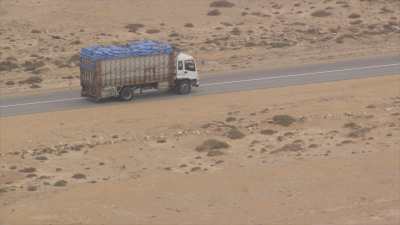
point(186, 68)
point(186, 73)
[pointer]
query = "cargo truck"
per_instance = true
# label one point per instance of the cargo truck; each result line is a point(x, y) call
point(123, 71)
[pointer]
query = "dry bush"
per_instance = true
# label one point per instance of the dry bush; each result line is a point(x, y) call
point(174, 34)
point(8, 65)
point(76, 42)
point(354, 16)
point(236, 31)
point(293, 147)
point(33, 65)
point(321, 13)
point(212, 144)
point(214, 153)
point(41, 158)
point(32, 188)
point(153, 31)
point(230, 119)
point(281, 44)
point(351, 125)
point(60, 183)
point(194, 169)
point(189, 25)
point(35, 31)
point(222, 4)
point(283, 120)
point(214, 12)
point(356, 22)
point(79, 176)
point(226, 24)
point(341, 38)
point(10, 83)
point(313, 146)
point(134, 27)
point(28, 170)
point(268, 132)
point(31, 80)
point(234, 134)
point(359, 132)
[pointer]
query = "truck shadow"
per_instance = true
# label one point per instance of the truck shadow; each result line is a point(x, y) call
point(145, 96)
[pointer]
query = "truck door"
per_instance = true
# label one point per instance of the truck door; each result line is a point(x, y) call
point(180, 73)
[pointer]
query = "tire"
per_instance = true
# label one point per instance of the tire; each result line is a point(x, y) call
point(184, 87)
point(126, 94)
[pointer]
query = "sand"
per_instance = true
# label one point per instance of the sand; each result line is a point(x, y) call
point(40, 40)
point(314, 154)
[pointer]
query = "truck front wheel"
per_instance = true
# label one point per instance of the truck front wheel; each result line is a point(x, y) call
point(126, 94)
point(184, 87)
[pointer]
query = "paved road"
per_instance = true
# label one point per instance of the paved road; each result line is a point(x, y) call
point(217, 83)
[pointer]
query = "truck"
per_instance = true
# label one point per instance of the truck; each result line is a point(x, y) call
point(125, 70)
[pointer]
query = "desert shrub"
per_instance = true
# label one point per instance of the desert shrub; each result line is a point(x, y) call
point(281, 44)
point(321, 13)
point(79, 176)
point(35, 31)
point(222, 4)
point(293, 147)
point(10, 83)
point(32, 65)
point(234, 134)
point(236, 31)
point(31, 80)
point(8, 65)
point(359, 132)
point(268, 132)
point(134, 27)
point(283, 120)
point(41, 158)
point(212, 144)
point(226, 24)
point(356, 22)
point(189, 25)
point(153, 31)
point(60, 183)
point(194, 169)
point(250, 44)
point(32, 188)
point(214, 153)
point(354, 16)
point(214, 12)
point(28, 170)
point(313, 146)
point(230, 119)
point(76, 42)
point(341, 38)
point(174, 34)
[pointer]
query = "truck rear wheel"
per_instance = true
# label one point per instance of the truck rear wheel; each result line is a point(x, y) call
point(126, 94)
point(184, 87)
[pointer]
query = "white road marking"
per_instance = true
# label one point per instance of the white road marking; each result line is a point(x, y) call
point(41, 102)
point(223, 83)
point(301, 74)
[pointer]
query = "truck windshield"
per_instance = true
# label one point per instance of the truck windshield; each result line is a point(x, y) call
point(189, 65)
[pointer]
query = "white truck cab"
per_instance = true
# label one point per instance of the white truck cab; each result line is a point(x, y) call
point(186, 69)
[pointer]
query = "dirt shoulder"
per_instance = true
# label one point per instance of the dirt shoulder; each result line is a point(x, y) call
point(40, 41)
point(319, 154)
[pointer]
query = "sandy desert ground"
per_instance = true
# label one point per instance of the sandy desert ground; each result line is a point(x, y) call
point(315, 154)
point(40, 40)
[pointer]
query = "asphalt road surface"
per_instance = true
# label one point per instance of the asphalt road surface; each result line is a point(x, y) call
point(215, 83)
